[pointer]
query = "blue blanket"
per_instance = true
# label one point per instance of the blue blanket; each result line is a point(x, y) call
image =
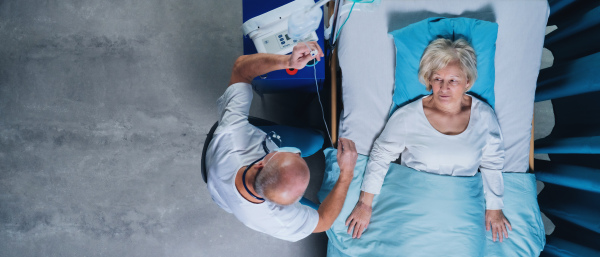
point(422, 214)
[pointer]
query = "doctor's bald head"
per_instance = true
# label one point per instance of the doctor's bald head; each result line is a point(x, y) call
point(283, 179)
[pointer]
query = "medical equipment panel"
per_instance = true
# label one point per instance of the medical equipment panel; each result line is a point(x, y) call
point(269, 31)
point(282, 80)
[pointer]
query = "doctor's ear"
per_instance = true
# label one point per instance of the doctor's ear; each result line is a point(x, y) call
point(260, 164)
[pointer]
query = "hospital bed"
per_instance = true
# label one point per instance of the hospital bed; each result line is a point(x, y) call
point(366, 56)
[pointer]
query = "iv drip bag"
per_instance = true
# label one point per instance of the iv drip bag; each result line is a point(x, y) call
point(304, 22)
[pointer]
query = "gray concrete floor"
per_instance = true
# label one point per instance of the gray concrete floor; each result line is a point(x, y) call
point(104, 107)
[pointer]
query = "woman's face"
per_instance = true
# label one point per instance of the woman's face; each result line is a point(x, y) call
point(449, 84)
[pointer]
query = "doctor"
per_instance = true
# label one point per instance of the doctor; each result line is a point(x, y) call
point(260, 186)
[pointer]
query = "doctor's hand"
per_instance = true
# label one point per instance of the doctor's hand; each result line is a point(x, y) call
point(359, 219)
point(346, 158)
point(496, 220)
point(301, 54)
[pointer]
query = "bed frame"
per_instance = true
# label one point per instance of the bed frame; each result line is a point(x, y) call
point(333, 73)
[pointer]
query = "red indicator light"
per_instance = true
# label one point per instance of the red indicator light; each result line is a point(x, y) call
point(291, 71)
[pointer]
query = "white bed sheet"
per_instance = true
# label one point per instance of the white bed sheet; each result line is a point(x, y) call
point(367, 59)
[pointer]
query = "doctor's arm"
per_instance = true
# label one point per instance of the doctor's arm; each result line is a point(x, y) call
point(247, 67)
point(332, 205)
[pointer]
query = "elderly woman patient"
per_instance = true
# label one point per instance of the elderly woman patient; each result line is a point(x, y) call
point(447, 133)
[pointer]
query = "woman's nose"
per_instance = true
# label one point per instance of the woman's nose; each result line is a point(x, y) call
point(445, 85)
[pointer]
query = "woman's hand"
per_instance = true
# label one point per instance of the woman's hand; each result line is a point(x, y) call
point(361, 215)
point(496, 220)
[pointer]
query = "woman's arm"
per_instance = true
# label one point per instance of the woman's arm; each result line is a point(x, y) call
point(386, 149)
point(359, 219)
point(492, 162)
point(493, 189)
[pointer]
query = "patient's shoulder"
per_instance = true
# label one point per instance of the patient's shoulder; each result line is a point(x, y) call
point(481, 106)
point(409, 109)
point(484, 110)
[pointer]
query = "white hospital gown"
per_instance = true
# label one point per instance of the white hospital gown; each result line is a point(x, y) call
point(424, 148)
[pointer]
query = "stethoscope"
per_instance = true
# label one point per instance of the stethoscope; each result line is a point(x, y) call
point(270, 136)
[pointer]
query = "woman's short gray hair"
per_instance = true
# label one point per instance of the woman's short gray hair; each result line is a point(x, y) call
point(440, 52)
